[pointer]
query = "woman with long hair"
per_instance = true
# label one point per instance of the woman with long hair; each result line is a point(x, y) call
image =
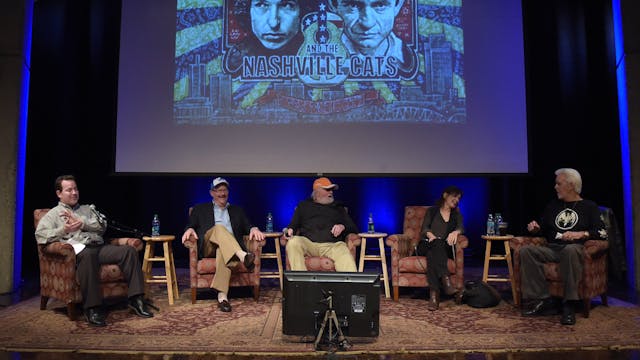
point(440, 230)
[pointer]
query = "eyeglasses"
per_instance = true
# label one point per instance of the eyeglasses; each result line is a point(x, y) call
point(220, 190)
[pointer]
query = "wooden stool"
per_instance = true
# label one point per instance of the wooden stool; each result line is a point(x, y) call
point(382, 257)
point(274, 255)
point(486, 277)
point(169, 268)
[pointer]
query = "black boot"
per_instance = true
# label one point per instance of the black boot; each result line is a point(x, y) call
point(446, 285)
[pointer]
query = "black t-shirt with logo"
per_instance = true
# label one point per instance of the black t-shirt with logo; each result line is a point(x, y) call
point(582, 215)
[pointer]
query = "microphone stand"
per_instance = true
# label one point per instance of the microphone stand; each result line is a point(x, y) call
point(125, 228)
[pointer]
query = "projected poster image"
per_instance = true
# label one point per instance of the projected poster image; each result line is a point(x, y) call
point(313, 61)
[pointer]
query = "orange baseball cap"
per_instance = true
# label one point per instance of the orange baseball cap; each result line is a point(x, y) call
point(324, 183)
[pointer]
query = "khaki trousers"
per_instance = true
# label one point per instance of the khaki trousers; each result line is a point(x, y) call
point(220, 240)
point(298, 246)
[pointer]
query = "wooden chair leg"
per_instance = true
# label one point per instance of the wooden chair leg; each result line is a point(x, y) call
point(43, 302)
point(71, 311)
point(586, 307)
point(396, 293)
point(194, 292)
point(256, 292)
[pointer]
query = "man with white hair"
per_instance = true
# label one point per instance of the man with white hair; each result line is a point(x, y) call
point(567, 223)
point(321, 226)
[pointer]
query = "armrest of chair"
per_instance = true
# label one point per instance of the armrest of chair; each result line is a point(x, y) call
point(191, 243)
point(133, 242)
point(519, 241)
point(400, 244)
point(58, 249)
point(596, 247)
point(463, 242)
point(253, 245)
point(353, 241)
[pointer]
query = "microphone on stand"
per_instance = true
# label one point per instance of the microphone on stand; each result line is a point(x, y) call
point(102, 219)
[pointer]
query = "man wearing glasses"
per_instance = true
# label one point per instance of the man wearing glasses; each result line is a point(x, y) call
point(217, 225)
point(320, 226)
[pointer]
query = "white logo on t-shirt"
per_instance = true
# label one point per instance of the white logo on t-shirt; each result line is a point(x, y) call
point(567, 219)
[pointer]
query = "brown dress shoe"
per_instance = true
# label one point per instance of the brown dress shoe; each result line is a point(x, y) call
point(447, 287)
point(434, 300)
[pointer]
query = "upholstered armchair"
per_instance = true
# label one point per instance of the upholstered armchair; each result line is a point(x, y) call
point(201, 271)
point(408, 270)
point(594, 273)
point(58, 272)
point(321, 263)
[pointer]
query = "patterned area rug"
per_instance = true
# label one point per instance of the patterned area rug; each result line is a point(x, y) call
point(256, 328)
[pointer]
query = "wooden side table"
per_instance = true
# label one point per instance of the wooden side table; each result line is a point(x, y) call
point(382, 257)
point(169, 278)
point(274, 255)
point(486, 277)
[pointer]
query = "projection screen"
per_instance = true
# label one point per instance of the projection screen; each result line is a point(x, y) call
point(364, 87)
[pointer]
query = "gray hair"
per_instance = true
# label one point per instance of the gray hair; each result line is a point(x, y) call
point(573, 176)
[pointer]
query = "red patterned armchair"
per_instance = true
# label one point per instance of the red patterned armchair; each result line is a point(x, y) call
point(321, 263)
point(594, 274)
point(58, 272)
point(201, 271)
point(408, 270)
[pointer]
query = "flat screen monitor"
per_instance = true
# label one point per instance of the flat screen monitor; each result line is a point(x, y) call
point(355, 298)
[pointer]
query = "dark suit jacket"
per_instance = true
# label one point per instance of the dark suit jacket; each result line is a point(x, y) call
point(201, 220)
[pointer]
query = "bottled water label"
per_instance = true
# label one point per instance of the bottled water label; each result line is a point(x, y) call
point(370, 225)
point(155, 226)
point(269, 227)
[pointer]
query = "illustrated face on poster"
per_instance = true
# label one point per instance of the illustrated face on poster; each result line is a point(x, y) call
point(274, 22)
point(282, 61)
point(368, 23)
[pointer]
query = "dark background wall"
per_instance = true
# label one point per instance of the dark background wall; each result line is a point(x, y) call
point(572, 121)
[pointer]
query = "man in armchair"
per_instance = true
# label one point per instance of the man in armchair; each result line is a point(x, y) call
point(217, 226)
point(82, 227)
point(321, 225)
point(567, 223)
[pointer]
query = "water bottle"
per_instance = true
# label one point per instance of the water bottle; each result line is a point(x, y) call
point(155, 225)
point(497, 220)
point(269, 227)
point(491, 226)
point(370, 227)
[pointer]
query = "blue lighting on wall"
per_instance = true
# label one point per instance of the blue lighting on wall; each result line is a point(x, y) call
point(22, 145)
point(623, 114)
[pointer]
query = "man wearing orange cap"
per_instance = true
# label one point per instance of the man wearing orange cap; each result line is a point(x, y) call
point(321, 226)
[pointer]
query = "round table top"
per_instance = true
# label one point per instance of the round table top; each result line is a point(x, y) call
point(159, 238)
point(372, 235)
point(498, 237)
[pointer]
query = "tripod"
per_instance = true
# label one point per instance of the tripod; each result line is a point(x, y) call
point(331, 320)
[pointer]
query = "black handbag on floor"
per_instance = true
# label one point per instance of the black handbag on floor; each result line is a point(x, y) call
point(479, 294)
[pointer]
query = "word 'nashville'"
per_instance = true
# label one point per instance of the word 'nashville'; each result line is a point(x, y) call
point(275, 67)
